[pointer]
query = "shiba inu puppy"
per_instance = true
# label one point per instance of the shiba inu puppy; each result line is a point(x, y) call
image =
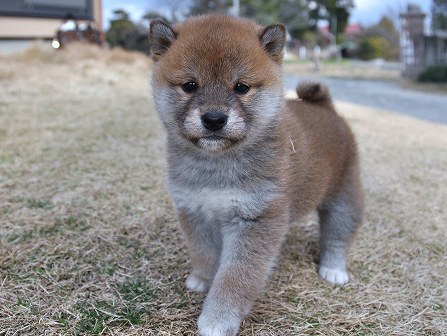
point(244, 163)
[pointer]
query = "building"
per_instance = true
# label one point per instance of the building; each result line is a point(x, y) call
point(419, 50)
point(25, 21)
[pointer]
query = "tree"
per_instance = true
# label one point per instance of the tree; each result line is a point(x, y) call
point(299, 15)
point(439, 14)
point(293, 13)
point(264, 12)
point(121, 15)
point(335, 11)
point(296, 15)
point(121, 27)
point(379, 41)
point(125, 34)
point(384, 38)
point(371, 47)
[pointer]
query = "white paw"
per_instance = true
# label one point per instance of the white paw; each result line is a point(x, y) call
point(218, 325)
point(336, 276)
point(196, 284)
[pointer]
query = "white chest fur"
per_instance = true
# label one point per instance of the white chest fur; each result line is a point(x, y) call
point(223, 203)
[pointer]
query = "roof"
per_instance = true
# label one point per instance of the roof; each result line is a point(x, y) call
point(350, 29)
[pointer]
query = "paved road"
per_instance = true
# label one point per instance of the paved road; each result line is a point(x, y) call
point(384, 95)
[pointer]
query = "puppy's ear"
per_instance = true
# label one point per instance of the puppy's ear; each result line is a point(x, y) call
point(161, 36)
point(273, 39)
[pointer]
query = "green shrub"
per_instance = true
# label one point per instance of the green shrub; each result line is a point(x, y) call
point(437, 74)
point(371, 47)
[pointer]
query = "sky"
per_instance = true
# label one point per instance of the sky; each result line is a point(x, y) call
point(368, 12)
point(365, 12)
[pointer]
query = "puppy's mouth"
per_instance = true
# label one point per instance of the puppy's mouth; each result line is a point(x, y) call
point(209, 135)
point(214, 137)
point(214, 143)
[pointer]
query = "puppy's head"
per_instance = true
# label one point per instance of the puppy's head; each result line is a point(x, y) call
point(216, 79)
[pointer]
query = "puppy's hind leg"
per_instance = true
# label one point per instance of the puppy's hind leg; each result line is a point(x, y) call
point(339, 219)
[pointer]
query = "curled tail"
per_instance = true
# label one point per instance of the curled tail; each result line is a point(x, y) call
point(314, 93)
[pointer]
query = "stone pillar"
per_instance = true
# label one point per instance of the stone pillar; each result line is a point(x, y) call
point(412, 42)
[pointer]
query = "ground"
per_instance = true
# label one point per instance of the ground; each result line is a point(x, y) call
point(89, 240)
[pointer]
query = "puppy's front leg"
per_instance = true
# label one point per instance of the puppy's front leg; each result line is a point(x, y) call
point(249, 251)
point(204, 249)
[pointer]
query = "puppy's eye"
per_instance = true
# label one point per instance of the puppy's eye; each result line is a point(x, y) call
point(190, 87)
point(241, 88)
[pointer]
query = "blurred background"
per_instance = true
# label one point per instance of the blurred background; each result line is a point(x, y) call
point(89, 239)
point(408, 35)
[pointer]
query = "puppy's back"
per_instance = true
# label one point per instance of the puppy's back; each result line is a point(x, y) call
point(324, 146)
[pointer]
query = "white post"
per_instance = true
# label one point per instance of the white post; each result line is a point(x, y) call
point(334, 32)
point(236, 7)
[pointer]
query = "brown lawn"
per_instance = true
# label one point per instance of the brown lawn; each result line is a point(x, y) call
point(89, 242)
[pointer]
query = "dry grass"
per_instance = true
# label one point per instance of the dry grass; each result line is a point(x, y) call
point(89, 243)
point(342, 69)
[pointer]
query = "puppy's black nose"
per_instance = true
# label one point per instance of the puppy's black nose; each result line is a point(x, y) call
point(213, 120)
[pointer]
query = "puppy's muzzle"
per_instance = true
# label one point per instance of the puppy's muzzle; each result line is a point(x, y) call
point(214, 120)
